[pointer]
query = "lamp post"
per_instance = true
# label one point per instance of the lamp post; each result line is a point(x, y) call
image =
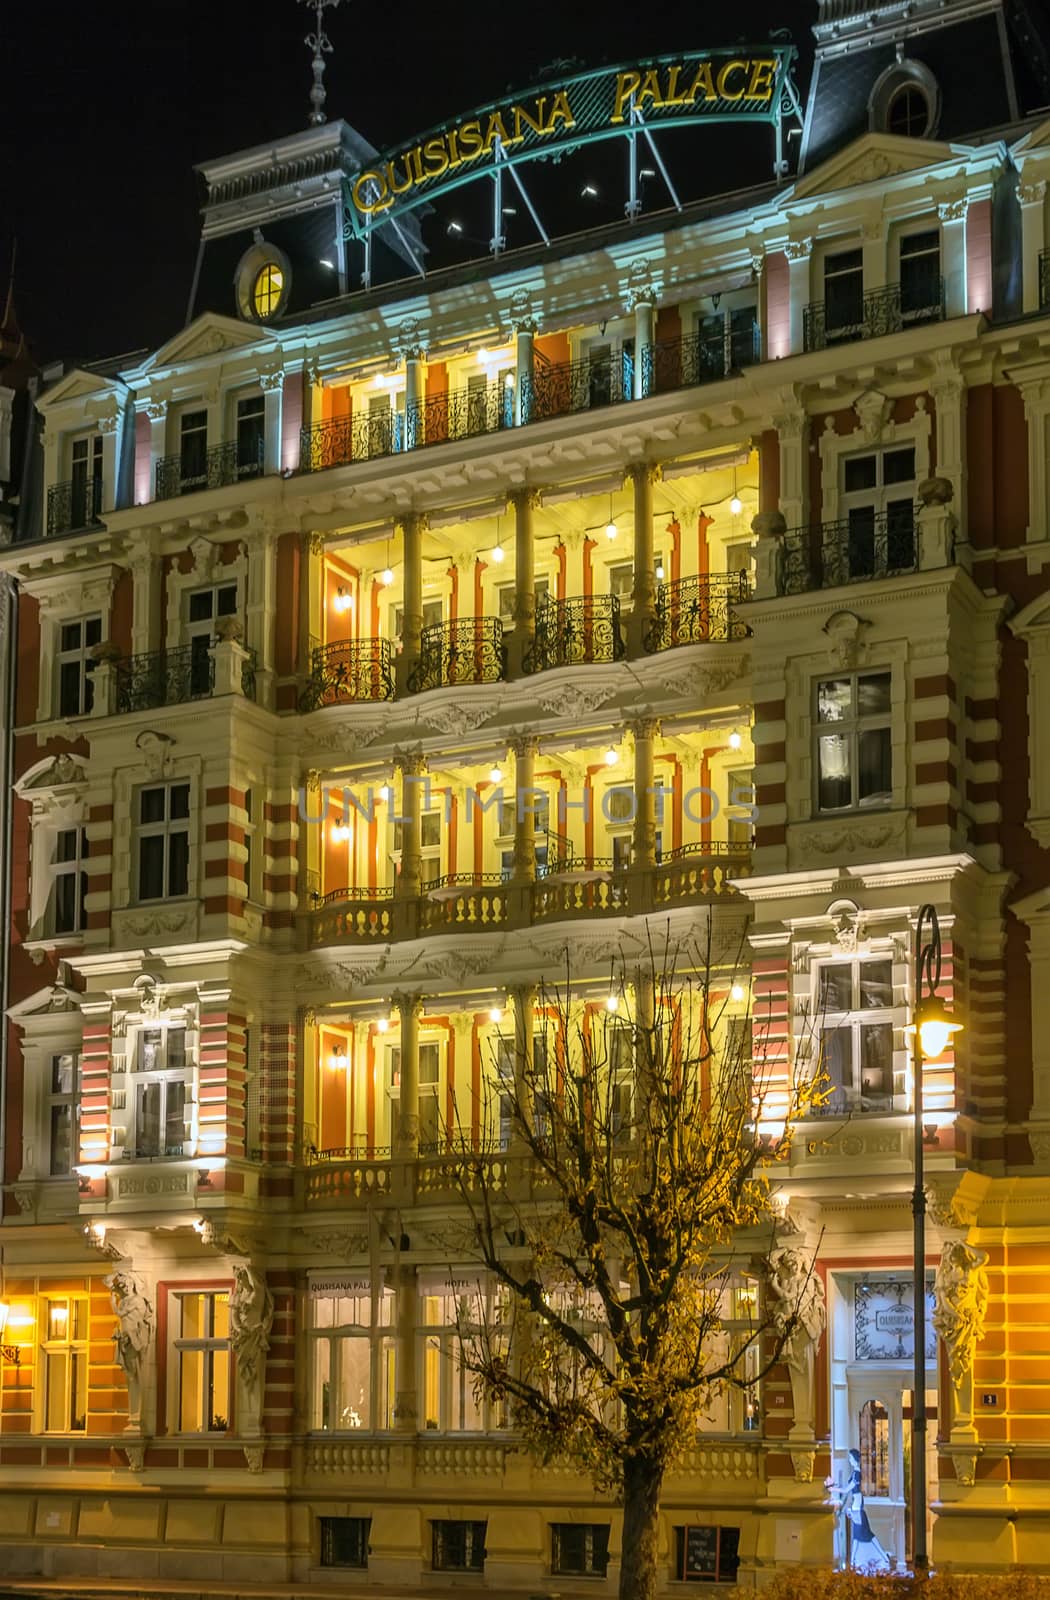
point(930, 1031)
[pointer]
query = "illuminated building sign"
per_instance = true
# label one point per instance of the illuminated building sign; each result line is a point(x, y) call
point(742, 84)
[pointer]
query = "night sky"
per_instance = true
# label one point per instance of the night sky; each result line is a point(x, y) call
point(105, 108)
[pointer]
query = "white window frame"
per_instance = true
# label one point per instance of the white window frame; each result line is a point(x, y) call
point(57, 1100)
point(379, 1336)
point(209, 1344)
point(431, 1062)
point(73, 868)
point(80, 655)
point(851, 728)
point(445, 1387)
point(889, 436)
point(166, 1069)
point(167, 829)
point(72, 1352)
point(855, 1019)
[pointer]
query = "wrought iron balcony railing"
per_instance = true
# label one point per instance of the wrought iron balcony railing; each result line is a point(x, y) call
point(470, 650)
point(348, 671)
point(867, 544)
point(1044, 279)
point(583, 629)
point(556, 389)
point(343, 439)
point(76, 504)
point(162, 678)
point(463, 414)
point(210, 469)
point(698, 358)
point(880, 311)
point(698, 610)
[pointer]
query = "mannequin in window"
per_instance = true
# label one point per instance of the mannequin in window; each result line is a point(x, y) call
point(865, 1550)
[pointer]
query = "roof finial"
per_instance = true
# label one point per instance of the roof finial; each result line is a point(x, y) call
point(321, 46)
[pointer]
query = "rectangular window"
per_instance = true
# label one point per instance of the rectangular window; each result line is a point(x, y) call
point(621, 580)
point(878, 516)
point(164, 841)
point(855, 1004)
point(450, 1401)
point(203, 608)
point(250, 861)
point(579, 1549)
point(202, 1361)
point(69, 881)
point(459, 1546)
point(344, 1541)
point(193, 450)
point(380, 425)
point(65, 1355)
point(853, 742)
point(707, 1555)
point(85, 481)
point(429, 1106)
point(63, 1114)
point(843, 295)
point(251, 430)
point(740, 809)
point(920, 274)
point(352, 1361)
point(76, 665)
point(162, 1092)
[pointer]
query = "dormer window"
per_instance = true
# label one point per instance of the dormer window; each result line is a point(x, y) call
point(905, 101)
point(908, 112)
point(267, 291)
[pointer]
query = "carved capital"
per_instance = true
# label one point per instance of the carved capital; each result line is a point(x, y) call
point(412, 763)
point(110, 423)
point(758, 262)
point(643, 471)
point(157, 410)
point(524, 744)
point(271, 380)
point(1031, 194)
point(525, 499)
point(640, 295)
point(644, 727)
point(798, 249)
point(953, 210)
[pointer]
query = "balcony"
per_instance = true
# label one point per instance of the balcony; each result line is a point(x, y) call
point(872, 544)
point(699, 358)
point(463, 414)
point(171, 678)
point(558, 389)
point(585, 629)
point(874, 314)
point(73, 505)
point(223, 464)
point(349, 672)
point(353, 916)
point(470, 650)
point(698, 611)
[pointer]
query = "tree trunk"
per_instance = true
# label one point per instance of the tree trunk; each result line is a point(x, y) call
point(642, 1484)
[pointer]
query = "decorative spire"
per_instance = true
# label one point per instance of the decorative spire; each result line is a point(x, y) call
point(321, 46)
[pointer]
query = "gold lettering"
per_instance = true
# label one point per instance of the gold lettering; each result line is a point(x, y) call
point(395, 187)
point(761, 85)
point(436, 157)
point(494, 131)
point(417, 165)
point(470, 140)
point(626, 84)
point(723, 92)
point(521, 115)
point(671, 97)
point(650, 90)
point(380, 198)
point(455, 159)
point(701, 81)
point(560, 112)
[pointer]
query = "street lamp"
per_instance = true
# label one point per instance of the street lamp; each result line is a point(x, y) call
point(929, 1032)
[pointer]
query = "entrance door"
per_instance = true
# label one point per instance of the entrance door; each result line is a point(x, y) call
point(876, 1404)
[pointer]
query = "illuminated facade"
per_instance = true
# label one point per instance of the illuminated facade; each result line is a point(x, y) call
point(725, 537)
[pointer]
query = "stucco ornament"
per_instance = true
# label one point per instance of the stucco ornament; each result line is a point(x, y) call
point(251, 1318)
point(133, 1336)
point(961, 1295)
point(799, 1314)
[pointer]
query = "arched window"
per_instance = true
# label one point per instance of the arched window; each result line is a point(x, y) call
point(267, 290)
point(874, 1449)
point(905, 101)
point(908, 112)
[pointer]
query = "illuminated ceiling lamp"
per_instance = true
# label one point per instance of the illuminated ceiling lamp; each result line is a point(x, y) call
point(496, 774)
point(498, 553)
point(496, 1014)
point(737, 992)
point(736, 505)
point(611, 529)
point(383, 1025)
point(386, 577)
point(735, 739)
point(612, 1002)
point(612, 756)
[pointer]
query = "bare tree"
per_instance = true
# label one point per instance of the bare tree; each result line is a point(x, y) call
point(629, 1224)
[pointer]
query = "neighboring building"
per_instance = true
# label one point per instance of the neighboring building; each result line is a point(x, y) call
point(753, 494)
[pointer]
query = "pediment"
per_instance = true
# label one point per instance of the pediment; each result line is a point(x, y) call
point(209, 335)
point(1037, 139)
point(1033, 619)
point(55, 1000)
point(867, 160)
point(54, 772)
point(81, 385)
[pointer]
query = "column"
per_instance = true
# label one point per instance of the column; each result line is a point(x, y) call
point(524, 999)
point(261, 604)
point(873, 254)
point(646, 1057)
point(791, 433)
point(643, 475)
point(412, 766)
point(1032, 200)
point(272, 385)
point(768, 528)
point(415, 430)
point(406, 1419)
point(798, 253)
point(407, 1142)
point(112, 431)
point(311, 546)
point(146, 574)
point(643, 864)
point(644, 308)
point(949, 397)
point(157, 411)
point(525, 502)
point(953, 256)
point(524, 749)
point(413, 526)
point(524, 361)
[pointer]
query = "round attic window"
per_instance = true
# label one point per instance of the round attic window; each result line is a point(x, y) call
point(905, 101)
point(262, 282)
point(908, 112)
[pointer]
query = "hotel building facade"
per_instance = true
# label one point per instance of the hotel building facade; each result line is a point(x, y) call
point(723, 535)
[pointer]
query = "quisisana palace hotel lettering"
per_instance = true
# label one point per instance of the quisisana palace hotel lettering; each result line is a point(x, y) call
point(718, 532)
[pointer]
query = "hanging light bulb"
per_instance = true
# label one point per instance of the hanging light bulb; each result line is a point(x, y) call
point(337, 1059)
point(384, 791)
point(612, 1002)
point(497, 553)
point(496, 1014)
point(386, 577)
point(383, 1025)
point(343, 599)
point(737, 992)
point(659, 572)
point(611, 529)
point(496, 774)
point(735, 740)
point(612, 756)
point(736, 505)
